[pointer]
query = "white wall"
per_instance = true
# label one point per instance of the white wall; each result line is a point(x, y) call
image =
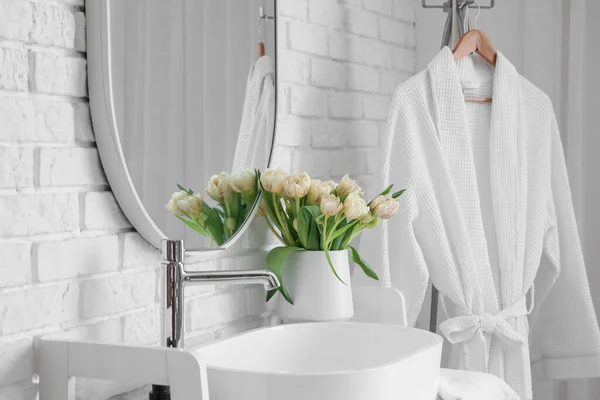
point(69, 260)
point(529, 33)
point(339, 63)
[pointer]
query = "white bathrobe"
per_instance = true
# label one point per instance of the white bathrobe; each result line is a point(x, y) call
point(487, 215)
point(255, 138)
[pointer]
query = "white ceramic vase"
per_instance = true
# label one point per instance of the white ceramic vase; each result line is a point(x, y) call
point(317, 294)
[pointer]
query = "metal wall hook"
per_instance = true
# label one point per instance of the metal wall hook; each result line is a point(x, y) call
point(448, 4)
point(262, 17)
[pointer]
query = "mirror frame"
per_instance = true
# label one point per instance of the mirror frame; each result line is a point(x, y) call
point(100, 85)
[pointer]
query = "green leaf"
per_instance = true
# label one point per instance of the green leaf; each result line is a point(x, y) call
point(357, 259)
point(308, 230)
point(220, 212)
point(315, 211)
point(275, 260)
point(332, 267)
point(214, 225)
point(271, 293)
point(235, 201)
point(387, 190)
point(195, 226)
point(188, 191)
point(304, 221)
point(335, 244)
point(398, 193)
point(339, 232)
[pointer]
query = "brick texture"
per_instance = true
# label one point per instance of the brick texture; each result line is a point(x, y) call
point(70, 262)
point(340, 61)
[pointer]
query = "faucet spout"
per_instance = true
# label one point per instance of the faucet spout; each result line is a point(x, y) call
point(264, 277)
point(177, 278)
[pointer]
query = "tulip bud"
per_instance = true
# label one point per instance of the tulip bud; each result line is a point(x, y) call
point(230, 224)
point(244, 181)
point(318, 189)
point(226, 185)
point(330, 205)
point(355, 207)
point(172, 206)
point(272, 180)
point(213, 189)
point(296, 186)
point(191, 205)
point(347, 186)
point(385, 207)
point(365, 219)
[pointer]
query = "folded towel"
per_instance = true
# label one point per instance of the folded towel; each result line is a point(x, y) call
point(467, 385)
point(445, 390)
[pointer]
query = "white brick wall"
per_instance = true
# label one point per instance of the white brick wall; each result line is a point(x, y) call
point(339, 63)
point(69, 260)
point(70, 263)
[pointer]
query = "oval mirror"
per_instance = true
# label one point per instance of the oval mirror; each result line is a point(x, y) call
point(183, 103)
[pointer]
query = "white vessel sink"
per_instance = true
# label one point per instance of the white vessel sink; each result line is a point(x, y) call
point(324, 361)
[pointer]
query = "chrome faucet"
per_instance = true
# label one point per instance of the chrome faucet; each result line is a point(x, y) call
point(177, 278)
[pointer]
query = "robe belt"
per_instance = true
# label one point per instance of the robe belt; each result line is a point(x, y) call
point(469, 329)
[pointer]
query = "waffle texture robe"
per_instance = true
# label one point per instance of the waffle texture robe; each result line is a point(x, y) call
point(253, 147)
point(488, 217)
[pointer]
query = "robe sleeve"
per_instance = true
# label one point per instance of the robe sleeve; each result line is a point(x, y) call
point(565, 336)
point(401, 262)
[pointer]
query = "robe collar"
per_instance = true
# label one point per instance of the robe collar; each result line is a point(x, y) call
point(450, 115)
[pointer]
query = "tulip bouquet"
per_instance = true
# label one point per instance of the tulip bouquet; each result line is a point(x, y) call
point(311, 215)
point(235, 196)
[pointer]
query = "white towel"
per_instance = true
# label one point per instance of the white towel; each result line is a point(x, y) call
point(467, 385)
point(258, 119)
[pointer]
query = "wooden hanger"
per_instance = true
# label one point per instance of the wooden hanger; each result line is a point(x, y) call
point(261, 49)
point(476, 41)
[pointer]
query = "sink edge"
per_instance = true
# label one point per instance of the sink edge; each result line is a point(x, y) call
point(436, 342)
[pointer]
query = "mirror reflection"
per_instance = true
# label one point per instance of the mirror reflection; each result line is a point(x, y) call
point(194, 97)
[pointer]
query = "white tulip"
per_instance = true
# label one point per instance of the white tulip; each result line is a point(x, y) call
point(272, 180)
point(318, 189)
point(226, 185)
point(355, 207)
point(368, 217)
point(172, 206)
point(347, 186)
point(213, 189)
point(296, 186)
point(244, 181)
point(385, 207)
point(191, 205)
point(331, 205)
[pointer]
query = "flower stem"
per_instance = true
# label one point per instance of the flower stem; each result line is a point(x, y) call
point(351, 234)
point(324, 236)
point(273, 230)
point(282, 222)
